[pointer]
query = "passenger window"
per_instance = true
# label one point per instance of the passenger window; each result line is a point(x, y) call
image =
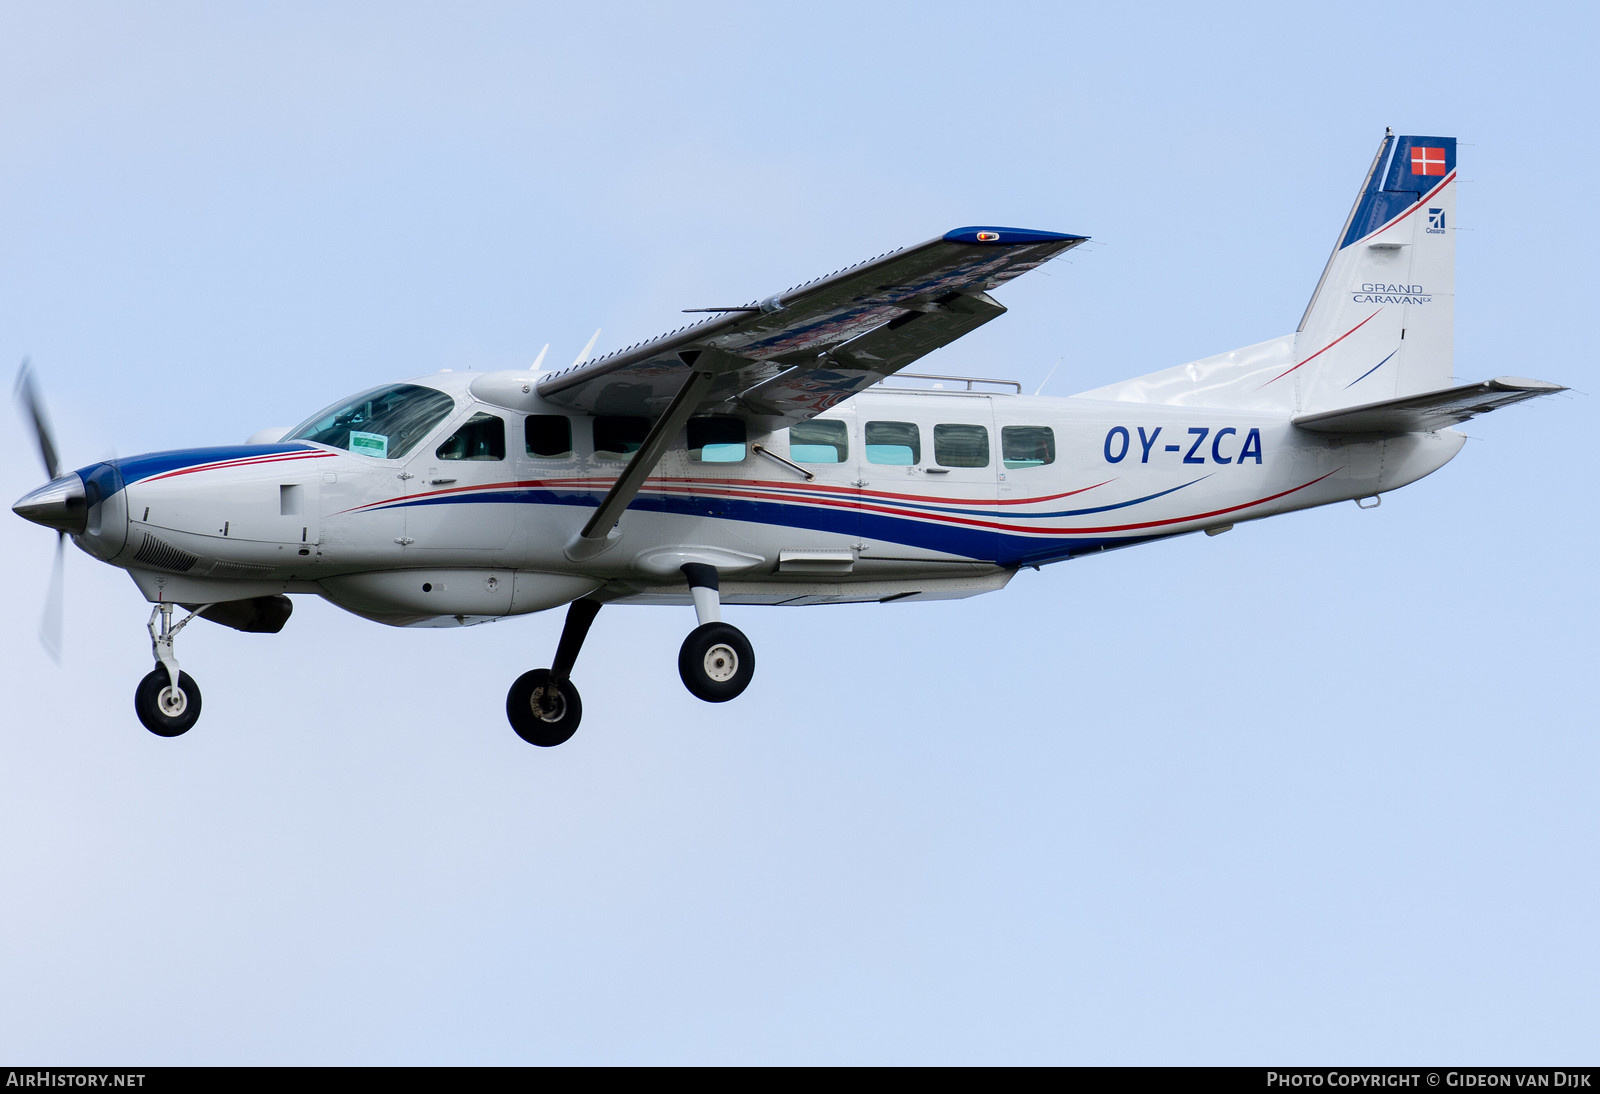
point(483, 437)
point(961, 446)
point(716, 440)
point(548, 436)
point(819, 441)
point(895, 443)
point(1027, 445)
point(616, 438)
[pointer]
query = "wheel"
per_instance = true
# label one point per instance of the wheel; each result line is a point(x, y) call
point(542, 713)
point(164, 711)
point(716, 662)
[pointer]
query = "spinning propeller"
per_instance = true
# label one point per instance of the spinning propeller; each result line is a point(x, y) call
point(60, 504)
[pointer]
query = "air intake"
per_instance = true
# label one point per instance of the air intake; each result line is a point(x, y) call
point(161, 555)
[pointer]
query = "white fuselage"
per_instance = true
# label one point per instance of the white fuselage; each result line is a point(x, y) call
point(427, 538)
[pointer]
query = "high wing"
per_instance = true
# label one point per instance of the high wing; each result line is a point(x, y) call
point(796, 353)
point(799, 352)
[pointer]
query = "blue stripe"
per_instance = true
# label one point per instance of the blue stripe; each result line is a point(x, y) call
point(135, 468)
point(1371, 370)
point(998, 513)
point(521, 494)
point(981, 544)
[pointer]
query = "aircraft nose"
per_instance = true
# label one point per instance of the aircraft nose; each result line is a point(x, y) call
point(60, 504)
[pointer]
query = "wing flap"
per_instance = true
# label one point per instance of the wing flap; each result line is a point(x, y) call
point(1429, 411)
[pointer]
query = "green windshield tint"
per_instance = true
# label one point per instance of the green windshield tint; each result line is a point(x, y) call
point(821, 440)
point(894, 443)
point(386, 422)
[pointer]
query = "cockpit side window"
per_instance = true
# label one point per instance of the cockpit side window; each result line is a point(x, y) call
point(386, 422)
point(481, 437)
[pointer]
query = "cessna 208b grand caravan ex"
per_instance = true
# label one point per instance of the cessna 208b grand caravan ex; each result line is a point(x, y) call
point(769, 454)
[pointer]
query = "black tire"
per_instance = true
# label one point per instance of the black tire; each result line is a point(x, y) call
point(540, 714)
point(716, 662)
point(178, 714)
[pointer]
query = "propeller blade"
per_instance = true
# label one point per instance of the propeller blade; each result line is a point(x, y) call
point(33, 406)
point(50, 627)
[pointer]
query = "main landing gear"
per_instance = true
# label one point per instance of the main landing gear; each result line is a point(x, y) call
point(167, 699)
point(715, 662)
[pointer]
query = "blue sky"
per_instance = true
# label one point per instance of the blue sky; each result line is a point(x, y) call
point(1319, 789)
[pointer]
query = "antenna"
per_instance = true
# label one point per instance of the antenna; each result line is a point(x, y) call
point(539, 360)
point(584, 356)
point(1051, 373)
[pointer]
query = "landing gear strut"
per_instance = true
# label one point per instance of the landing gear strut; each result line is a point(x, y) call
point(167, 699)
point(543, 706)
point(716, 661)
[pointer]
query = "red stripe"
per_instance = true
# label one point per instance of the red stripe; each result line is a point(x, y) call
point(690, 486)
point(825, 488)
point(1325, 348)
point(1420, 202)
point(249, 461)
point(971, 522)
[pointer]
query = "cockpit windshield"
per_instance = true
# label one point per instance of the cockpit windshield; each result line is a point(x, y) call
point(386, 422)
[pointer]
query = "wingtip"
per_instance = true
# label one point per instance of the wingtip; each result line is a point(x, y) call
point(1007, 236)
point(1522, 383)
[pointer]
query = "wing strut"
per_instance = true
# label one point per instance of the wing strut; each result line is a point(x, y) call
point(600, 532)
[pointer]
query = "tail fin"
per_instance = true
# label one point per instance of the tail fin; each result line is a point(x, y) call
point(1380, 324)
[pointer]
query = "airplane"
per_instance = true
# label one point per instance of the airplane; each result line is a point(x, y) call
point(777, 452)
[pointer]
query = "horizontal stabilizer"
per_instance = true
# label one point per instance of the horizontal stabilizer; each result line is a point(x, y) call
point(1430, 410)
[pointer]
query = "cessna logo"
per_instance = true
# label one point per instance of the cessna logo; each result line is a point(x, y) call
point(1372, 292)
point(1435, 222)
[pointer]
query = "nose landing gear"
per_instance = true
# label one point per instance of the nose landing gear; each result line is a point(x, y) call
point(543, 706)
point(167, 699)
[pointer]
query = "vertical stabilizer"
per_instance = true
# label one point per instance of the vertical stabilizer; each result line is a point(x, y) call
point(1381, 322)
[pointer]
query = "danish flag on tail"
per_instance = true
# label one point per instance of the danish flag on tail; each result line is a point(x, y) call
point(1427, 161)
